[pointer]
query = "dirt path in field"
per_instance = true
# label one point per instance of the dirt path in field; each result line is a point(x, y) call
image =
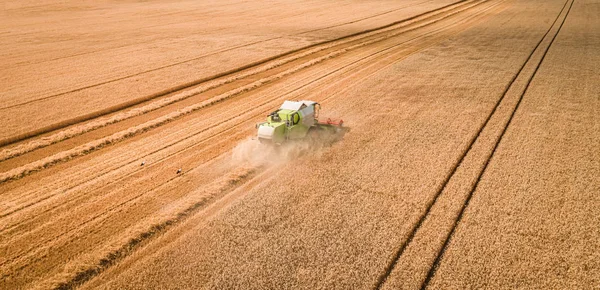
point(431, 93)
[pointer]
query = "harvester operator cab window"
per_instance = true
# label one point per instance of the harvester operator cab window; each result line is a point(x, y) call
point(275, 117)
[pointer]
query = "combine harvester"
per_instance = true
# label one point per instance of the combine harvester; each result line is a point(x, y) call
point(297, 121)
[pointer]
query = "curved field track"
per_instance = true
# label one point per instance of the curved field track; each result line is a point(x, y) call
point(127, 157)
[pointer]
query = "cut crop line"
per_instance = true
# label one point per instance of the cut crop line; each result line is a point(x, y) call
point(63, 124)
point(418, 224)
point(440, 254)
point(98, 217)
point(84, 149)
point(68, 190)
point(185, 213)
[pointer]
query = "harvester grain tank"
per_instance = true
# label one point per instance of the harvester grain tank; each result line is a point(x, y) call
point(295, 120)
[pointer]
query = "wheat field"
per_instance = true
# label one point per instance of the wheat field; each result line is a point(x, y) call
point(470, 156)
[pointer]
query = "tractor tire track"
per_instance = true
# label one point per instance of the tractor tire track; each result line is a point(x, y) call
point(418, 226)
point(440, 254)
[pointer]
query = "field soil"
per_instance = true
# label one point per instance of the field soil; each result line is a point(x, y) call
point(469, 156)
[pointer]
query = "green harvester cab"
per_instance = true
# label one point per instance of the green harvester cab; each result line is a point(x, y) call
point(293, 120)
